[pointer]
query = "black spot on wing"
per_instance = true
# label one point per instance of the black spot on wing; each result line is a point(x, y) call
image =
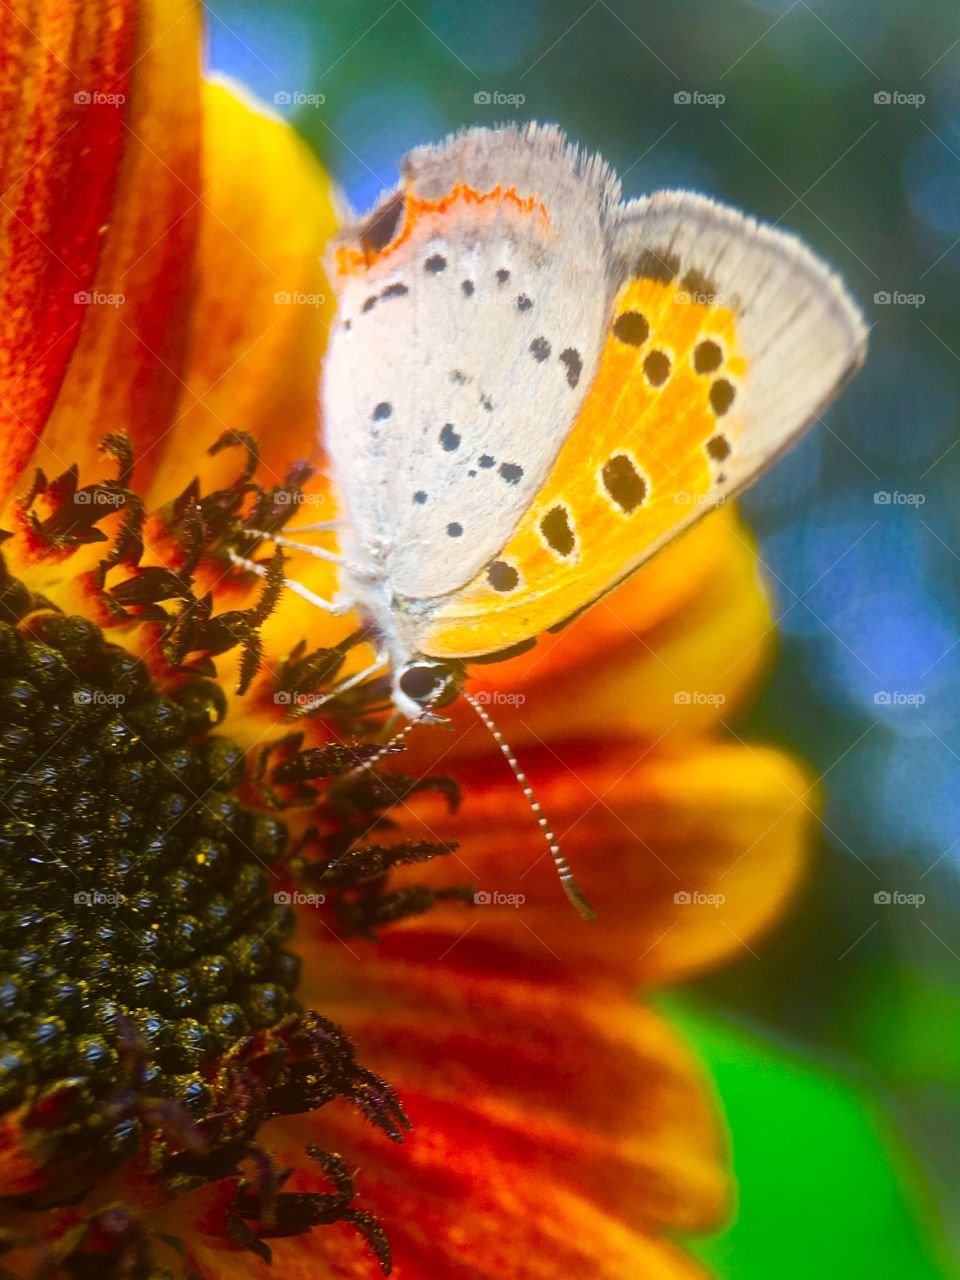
point(503, 275)
point(467, 288)
point(656, 367)
point(632, 328)
point(699, 286)
point(382, 411)
point(623, 482)
point(382, 225)
point(435, 264)
point(558, 532)
point(540, 349)
point(420, 497)
point(718, 447)
point(396, 290)
point(455, 529)
point(450, 437)
point(512, 473)
point(486, 461)
point(707, 356)
point(722, 394)
point(502, 576)
point(571, 358)
point(657, 264)
point(523, 302)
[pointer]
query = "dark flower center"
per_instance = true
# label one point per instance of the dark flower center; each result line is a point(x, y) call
point(134, 892)
point(147, 1006)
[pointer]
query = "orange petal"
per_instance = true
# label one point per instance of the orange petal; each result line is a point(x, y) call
point(19, 1174)
point(639, 829)
point(125, 373)
point(268, 210)
point(456, 1204)
point(61, 153)
point(596, 1089)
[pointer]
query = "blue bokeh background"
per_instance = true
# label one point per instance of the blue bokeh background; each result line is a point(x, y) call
point(840, 119)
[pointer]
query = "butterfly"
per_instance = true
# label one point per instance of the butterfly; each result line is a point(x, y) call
point(532, 386)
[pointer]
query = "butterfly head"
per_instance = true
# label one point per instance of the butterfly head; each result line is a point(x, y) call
point(423, 684)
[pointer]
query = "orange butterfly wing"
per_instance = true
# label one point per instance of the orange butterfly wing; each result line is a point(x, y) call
point(649, 444)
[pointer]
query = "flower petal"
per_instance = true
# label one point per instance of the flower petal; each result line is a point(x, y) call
point(597, 1090)
point(125, 373)
point(263, 306)
point(57, 139)
point(639, 828)
point(458, 1203)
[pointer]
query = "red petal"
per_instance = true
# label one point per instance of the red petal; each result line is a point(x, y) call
point(61, 154)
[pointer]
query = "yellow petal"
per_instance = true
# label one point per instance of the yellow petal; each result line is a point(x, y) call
point(262, 305)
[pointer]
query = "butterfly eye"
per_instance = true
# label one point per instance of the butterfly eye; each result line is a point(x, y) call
point(422, 681)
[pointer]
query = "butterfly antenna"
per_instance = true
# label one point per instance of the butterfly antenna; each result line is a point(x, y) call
point(567, 878)
point(396, 738)
point(388, 746)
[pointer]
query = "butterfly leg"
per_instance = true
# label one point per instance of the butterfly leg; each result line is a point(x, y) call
point(325, 526)
point(319, 553)
point(379, 664)
point(338, 607)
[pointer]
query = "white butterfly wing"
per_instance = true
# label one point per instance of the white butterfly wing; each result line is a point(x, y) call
point(461, 356)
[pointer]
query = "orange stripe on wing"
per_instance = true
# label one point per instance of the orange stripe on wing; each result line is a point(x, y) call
point(353, 261)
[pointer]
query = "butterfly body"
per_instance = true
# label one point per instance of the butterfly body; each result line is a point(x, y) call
point(532, 386)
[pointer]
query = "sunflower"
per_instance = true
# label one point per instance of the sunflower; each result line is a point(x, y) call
point(238, 967)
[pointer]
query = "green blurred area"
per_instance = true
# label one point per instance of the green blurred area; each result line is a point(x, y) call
point(853, 1168)
point(812, 1155)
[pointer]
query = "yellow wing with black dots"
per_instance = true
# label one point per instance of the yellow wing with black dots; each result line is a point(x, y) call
point(726, 340)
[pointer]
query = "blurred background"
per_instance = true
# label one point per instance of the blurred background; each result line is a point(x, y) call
point(836, 1051)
